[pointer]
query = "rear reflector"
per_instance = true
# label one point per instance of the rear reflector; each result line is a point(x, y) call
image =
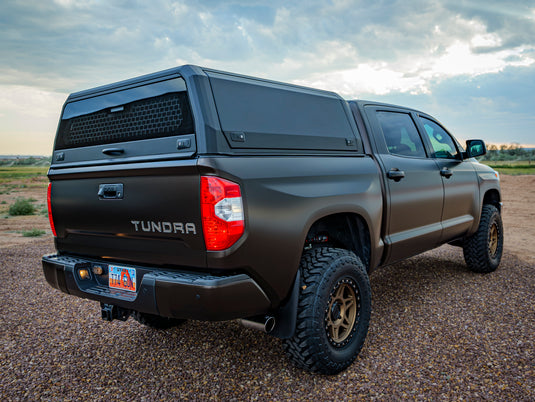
point(222, 213)
point(50, 218)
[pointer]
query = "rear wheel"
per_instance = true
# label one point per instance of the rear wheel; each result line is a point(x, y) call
point(333, 311)
point(156, 321)
point(483, 250)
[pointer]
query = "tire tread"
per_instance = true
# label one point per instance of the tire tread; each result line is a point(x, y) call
point(475, 248)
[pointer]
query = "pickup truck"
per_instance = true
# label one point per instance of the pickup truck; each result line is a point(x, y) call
point(200, 194)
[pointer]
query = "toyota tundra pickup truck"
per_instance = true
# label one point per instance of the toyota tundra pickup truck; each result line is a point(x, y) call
point(199, 194)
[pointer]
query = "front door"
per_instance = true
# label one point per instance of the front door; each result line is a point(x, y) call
point(459, 178)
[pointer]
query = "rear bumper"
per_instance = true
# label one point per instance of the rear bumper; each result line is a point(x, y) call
point(169, 293)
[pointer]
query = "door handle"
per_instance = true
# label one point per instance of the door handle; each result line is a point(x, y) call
point(395, 174)
point(446, 173)
point(113, 151)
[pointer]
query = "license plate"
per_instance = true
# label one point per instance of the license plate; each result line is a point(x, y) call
point(123, 278)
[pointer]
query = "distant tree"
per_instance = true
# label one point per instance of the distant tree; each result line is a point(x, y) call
point(25, 161)
point(492, 153)
point(508, 152)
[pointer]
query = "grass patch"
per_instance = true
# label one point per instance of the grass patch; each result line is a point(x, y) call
point(44, 210)
point(12, 173)
point(512, 168)
point(33, 233)
point(22, 206)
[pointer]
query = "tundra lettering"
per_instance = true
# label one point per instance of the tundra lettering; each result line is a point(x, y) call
point(165, 227)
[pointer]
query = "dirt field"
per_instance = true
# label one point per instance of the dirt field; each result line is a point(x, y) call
point(12, 227)
point(438, 332)
point(519, 215)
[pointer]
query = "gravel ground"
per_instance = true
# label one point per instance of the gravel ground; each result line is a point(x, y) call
point(438, 332)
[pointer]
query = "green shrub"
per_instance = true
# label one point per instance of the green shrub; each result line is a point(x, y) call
point(22, 207)
point(33, 233)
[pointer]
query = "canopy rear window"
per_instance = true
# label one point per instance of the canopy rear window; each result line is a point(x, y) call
point(152, 111)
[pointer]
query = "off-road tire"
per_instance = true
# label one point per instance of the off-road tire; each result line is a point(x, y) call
point(483, 250)
point(156, 321)
point(327, 275)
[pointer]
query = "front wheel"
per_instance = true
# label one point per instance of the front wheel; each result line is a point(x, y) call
point(483, 250)
point(333, 311)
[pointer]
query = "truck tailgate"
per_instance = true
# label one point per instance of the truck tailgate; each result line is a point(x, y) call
point(132, 212)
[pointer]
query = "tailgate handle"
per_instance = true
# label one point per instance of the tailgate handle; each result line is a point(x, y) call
point(110, 191)
point(113, 151)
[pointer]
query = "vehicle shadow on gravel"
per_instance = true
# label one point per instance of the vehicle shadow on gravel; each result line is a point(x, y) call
point(399, 290)
point(224, 344)
point(412, 289)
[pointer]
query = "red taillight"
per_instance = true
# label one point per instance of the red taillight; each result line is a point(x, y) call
point(222, 213)
point(50, 219)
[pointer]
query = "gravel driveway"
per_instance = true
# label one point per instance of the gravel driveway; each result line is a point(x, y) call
point(438, 332)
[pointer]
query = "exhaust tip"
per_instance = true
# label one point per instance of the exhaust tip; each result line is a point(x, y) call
point(265, 324)
point(269, 325)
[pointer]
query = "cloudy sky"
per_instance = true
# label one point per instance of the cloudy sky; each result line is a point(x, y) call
point(469, 63)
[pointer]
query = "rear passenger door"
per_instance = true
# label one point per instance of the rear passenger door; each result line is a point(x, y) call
point(414, 189)
point(461, 190)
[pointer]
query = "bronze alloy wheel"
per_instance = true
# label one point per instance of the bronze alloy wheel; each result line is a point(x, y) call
point(493, 239)
point(342, 312)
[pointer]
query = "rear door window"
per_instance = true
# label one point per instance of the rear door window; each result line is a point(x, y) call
point(401, 135)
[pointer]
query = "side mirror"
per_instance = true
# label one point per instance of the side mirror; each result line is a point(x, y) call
point(475, 148)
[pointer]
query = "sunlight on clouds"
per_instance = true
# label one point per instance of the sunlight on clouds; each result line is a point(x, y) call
point(30, 114)
point(415, 76)
point(458, 47)
point(459, 59)
point(367, 78)
point(486, 40)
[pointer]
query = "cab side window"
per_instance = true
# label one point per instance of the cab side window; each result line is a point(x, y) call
point(442, 143)
point(400, 134)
